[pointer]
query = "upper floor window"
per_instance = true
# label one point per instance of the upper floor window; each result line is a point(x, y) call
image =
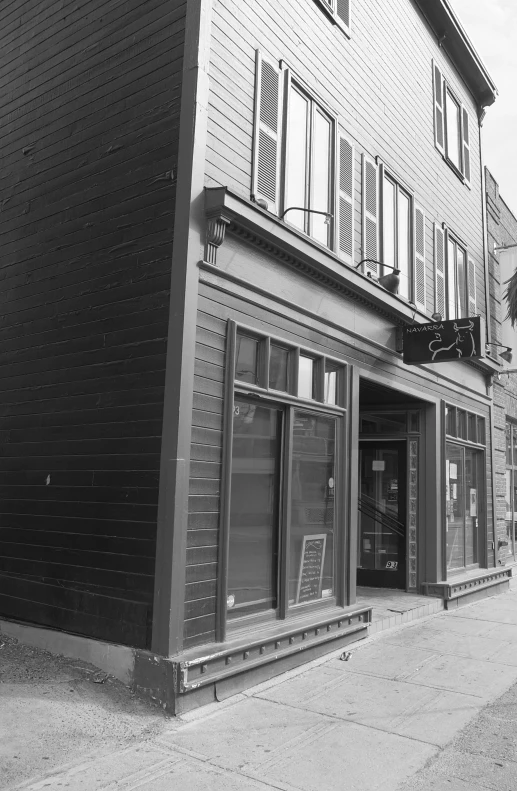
point(451, 126)
point(455, 277)
point(339, 11)
point(299, 173)
point(393, 232)
point(309, 168)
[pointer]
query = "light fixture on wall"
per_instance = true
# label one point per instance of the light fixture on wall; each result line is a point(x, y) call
point(328, 216)
point(390, 282)
point(498, 248)
point(507, 355)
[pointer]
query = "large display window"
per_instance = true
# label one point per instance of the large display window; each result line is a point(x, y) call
point(285, 474)
point(465, 489)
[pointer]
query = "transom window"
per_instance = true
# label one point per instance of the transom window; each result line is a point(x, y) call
point(270, 365)
point(464, 425)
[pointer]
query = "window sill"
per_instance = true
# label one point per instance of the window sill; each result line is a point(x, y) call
point(457, 172)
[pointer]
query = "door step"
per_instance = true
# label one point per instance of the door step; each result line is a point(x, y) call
point(466, 590)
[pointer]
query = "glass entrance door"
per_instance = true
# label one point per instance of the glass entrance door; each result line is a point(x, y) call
point(382, 514)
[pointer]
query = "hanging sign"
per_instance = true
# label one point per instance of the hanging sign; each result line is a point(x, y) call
point(442, 341)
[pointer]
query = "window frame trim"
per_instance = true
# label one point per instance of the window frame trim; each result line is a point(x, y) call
point(290, 77)
point(283, 613)
point(329, 8)
point(448, 89)
point(399, 184)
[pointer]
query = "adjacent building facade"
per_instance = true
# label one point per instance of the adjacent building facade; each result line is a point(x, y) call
point(211, 436)
point(502, 245)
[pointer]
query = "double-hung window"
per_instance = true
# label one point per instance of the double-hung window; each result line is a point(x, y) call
point(393, 232)
point(309, 165)
point(455, 277)
point(303, 166)
point(451, 126)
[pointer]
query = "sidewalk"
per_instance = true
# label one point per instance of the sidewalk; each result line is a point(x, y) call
point(367, 724)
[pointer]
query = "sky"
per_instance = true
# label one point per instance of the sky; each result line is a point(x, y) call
point(491, 26)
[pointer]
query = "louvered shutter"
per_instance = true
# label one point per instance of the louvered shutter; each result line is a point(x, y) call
point(439, 271)
point(266, 148)
point(343, 12)
point(420, 258)
point(466, 144)
point(471, 283)
point(370, 207)
point(439, 139)
point(345, 241)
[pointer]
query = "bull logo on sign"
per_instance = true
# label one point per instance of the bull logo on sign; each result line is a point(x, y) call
point(462, 334)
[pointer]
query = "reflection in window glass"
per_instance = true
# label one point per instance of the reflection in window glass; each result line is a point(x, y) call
point(278, 368)
point(331, 372)
point(462, 424)
point(247, 359)
point(462, 283)
point(321, 179)
point(388, 223)
point(311, 552)
point(404, 240)
point(451, 279)
point(464, 504)
point(509, 459)
point(305, 377)
point(453, 130)
point(472, 428)
point(514, 444)
point(296, 166)
point(481, 430)
point(450, 421)
point(253, 552)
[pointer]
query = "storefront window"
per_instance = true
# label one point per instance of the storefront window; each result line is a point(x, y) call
point(311, 561)
point(252, 565)
point(511, 486)
point(464, 503)
point(284, 480)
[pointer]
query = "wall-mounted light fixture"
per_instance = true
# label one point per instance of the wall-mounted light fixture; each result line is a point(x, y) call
point(507, 355)
point(390, 282)
point(328, 216)
point(498, 248)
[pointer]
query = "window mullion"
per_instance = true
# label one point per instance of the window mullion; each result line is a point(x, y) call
point(285, 515)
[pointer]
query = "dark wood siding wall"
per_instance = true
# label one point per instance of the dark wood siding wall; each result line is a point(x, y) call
point(378, 82)
point(89, 114)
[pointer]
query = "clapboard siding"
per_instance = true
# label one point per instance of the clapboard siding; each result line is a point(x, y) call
point(381, 90)
point(89, 109)
point(205, 476)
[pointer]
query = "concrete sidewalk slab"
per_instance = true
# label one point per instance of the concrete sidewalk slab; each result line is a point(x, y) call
point(418, 712)
point(404, 713)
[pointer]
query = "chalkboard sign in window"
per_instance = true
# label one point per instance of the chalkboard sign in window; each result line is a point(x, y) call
point(311, 568)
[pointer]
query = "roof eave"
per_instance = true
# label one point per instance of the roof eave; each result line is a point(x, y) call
point(453, 38)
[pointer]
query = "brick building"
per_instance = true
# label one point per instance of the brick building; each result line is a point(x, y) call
point(502, 236)
point(218, 217)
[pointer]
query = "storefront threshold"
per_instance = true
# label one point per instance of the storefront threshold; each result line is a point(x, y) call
point(470, 586)
point(217, 671)
point(392, 608)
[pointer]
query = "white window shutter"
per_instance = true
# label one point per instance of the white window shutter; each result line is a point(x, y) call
point(343, 12)
point(439, 116)
point(466, 144)
point(370, 207)
point(420, 258)
point(471, 283)
point(345, 225)
point(439, 271)
point(267, 134)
